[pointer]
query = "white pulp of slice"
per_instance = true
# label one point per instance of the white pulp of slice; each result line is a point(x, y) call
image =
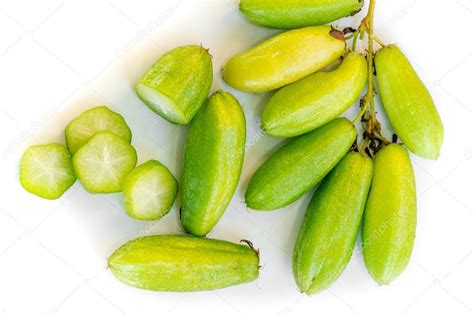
point(103, 163)
point(161, 104)
point(46, 170)
point(152, 194)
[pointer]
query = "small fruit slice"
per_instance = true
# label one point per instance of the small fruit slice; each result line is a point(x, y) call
point(46, 170)
point(100, 118)
point(149, 191)
point(103, 162)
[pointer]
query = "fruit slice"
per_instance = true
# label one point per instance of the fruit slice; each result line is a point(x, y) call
point(100, 118)
point(149, 191)
point(177, 85)
point(46, 170)
point(103, 162)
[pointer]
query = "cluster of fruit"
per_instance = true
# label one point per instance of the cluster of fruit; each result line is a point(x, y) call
point(368, 184)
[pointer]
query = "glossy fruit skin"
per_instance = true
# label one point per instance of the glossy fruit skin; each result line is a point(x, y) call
point(389, 223)
point(299, 165)
point(213, 157)
point(183, 263)
point(315, 100)
point(408, 103)
point(284, 14)
point(183, 76)
point(283, 59)
point(331, 223)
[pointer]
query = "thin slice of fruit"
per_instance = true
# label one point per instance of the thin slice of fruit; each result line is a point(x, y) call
point(97, 119)
point(46, 170)
point(103, 162)
point(149, 191)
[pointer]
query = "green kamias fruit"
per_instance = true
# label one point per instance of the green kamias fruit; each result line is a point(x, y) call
point(299, 165)
point(329, 231)
point(284, 58)
point(288, 14)
point(177, 85)
point(315, 100)
point(389, 224)
point(183, 263)
point(408, 103)
point(213, 157)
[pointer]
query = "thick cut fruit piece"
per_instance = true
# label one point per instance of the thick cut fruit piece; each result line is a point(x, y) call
point(183, 263)
point(284, 58)
point(103, 162)
point(177, 85)
point(46, 170)
point(149, 191)
point(389, 224)
point(290, 14)
point(213, 158)
point(299, 165)
point(315, 100)
point(329, 230)
point(408, 104)
point(97, 119)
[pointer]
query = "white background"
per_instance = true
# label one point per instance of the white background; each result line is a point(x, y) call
point(58, 58)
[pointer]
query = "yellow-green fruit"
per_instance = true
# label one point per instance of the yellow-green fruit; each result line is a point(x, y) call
point(389, 224)
point(178, 83)
point(408, 103)
point(315, 100)
point(183, 263)
point(329, 230)
point(288, 14)
point(213, 157)
point(284, 58)
point(299, 165)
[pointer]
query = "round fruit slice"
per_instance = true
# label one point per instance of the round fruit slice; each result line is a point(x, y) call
point(103, 162)
point(97, 119)
point(149, 191)
point(46, 170)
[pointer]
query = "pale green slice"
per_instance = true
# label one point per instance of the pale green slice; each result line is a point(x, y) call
point(103, 162)
point(46, 170)
point(94, 120)
point(149, 191)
